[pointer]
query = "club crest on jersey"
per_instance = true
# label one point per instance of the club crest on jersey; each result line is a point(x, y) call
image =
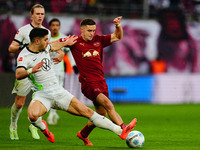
point(90, 53)
point(20, 59)
point(96, 44)
point(47, 64)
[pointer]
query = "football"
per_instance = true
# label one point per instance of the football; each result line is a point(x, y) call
point(135, 139)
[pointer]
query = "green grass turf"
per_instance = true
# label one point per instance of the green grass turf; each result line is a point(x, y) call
point(165, 127)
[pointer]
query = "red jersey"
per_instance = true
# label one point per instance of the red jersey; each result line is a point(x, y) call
point(88, 56)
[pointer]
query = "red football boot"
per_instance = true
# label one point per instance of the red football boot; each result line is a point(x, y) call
point(47, 133)
point(85, 140)
point(127, 129)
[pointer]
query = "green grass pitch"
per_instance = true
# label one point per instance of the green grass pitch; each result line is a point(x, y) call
point(165, 127)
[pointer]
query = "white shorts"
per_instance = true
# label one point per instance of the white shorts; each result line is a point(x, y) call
point(22, 87)
point(55, 97)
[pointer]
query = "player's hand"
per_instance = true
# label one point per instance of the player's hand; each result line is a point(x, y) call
point(117, 20)
point(37, 67)
point(57, 59)
point(71, 40)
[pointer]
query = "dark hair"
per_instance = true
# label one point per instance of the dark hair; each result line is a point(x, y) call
point(87, 21)
point(52, 20)
point(37, 32)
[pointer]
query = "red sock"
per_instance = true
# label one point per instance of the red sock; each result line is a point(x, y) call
point(86, 131)
point(122, 125)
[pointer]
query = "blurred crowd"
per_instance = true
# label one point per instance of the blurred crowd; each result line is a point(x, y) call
point(126, 8)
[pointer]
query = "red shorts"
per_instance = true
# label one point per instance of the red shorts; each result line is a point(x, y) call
point(92, 89)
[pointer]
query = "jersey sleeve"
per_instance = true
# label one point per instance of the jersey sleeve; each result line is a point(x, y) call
point(105, 39)
point(22, 61)
point(19, 37)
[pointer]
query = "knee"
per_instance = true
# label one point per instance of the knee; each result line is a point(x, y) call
point(19, 101)
point(32, 116)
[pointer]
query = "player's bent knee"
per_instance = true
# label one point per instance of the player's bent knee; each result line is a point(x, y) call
point(32, 117)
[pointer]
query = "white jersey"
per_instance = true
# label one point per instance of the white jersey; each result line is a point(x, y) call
point(42, 79)
point(22, 35)
point(23, 87)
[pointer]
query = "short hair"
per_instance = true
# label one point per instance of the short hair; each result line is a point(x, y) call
point(35, 6)
point(52, 20)
point(87, 21)
point(37, 32)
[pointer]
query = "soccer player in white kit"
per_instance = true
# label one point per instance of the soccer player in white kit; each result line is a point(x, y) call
point(54, 27)
point(34, 62)
point(23, 87)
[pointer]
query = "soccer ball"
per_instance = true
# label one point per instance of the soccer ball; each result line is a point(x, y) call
point(135, 139)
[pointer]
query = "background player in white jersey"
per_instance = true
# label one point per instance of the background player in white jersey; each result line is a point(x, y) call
point(34, 62)
point(54, 27)
point(23, 87)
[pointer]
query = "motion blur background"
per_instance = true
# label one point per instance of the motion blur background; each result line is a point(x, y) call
point(157, 61)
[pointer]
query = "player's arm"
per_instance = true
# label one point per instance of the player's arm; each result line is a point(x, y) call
point(59, 57)
point(14, 47)
point(59, 40)
point(22, 73)
point(118, 34)
point(71, 40)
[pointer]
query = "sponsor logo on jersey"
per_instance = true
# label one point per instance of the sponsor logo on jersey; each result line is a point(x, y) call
point(47, 64)
point(90, 53)
point(20, 58)
point(82, 44)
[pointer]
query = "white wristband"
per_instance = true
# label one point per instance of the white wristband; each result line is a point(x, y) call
point(29, 71)
point(117, 25)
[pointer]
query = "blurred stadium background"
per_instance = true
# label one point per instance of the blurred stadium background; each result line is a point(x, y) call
point(157, 61)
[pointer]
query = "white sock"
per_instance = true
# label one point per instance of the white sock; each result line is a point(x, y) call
point(105, 123)
point(14, 116)
point(38, 123)
point(52, 112)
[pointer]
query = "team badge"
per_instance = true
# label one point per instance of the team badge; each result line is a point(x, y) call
point(96, 44)
point(47, 64)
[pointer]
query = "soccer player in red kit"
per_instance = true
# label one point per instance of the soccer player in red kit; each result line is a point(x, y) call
point(88, 53)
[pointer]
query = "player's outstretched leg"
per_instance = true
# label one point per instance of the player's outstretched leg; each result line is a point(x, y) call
point(47, 133)
point(127, 129)
point(84, 139)
point(103, 122)
point(34, 132)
